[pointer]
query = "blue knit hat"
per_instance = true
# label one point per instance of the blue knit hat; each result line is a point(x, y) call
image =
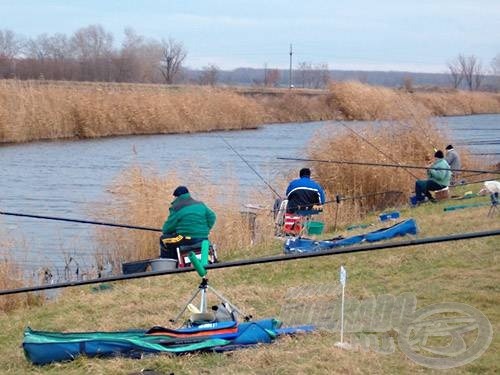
point(180, 190)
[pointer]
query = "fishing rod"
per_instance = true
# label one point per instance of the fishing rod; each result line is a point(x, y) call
point(469, 183)
point(79, 221)
point(387, 165)
point(375, 147)
point(262, 260)
point(249, 166)
point(341, 198)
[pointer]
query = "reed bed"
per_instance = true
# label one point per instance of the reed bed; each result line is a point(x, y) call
point(11, 277)
point(407, 142)
point(357, 101)
point(292, 107)
point(32, 110)
point(459, 103)
point(142, 197)
point(29, 111)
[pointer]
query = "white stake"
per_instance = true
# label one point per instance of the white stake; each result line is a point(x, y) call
point(343, 279)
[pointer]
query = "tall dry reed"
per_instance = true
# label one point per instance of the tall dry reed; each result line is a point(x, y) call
point(141, 197)
point(30, 111)
point(408, 142)
point(357, 101)
point(11, 277)
point(39, 110)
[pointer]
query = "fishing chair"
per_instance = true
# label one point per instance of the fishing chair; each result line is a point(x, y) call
point(197, 248)
point(441, 194)
point(301, 223)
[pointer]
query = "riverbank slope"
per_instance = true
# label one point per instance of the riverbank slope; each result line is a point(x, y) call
point(464, 272)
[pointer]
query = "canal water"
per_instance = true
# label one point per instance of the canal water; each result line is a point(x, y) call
point(64, 178)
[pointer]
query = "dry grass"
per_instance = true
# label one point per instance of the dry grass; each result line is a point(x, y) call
point(38, 110)
point(357, 101)
point(459, 103)
point(142, 197)
point(11, 277)
point(463, 272)
point(29, 111)
point(407, 142)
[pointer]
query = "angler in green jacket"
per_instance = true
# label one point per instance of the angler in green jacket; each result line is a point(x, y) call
point(188, 223)
point(439, 176)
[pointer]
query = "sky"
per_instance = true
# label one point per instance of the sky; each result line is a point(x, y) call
point(402, 35)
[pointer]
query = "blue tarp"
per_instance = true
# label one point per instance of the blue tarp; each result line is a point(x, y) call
point(305, 245)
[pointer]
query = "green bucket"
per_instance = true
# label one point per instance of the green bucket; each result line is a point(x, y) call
point(314, 227)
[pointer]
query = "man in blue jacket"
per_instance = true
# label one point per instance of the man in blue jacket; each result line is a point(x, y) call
point(302, 193)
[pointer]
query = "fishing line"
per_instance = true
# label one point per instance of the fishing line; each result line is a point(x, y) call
point(263, 260)
point(375, 147)
point(387, 165)
point(249, 166)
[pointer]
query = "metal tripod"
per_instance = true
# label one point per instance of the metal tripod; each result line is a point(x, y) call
point(494, 204)
point(203, 311)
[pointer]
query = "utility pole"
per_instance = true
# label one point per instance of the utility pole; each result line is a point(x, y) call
point(290, 84)
point(265, 74)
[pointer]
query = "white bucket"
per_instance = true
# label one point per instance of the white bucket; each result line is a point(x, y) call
point(163, 264)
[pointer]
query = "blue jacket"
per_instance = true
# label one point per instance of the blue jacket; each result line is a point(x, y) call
point(302, 193)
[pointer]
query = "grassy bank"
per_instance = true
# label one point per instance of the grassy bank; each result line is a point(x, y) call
point(465, 272)
point(40, 110)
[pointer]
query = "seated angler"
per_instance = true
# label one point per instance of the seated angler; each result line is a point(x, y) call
point(303, 193)
point(439, 176)
point(189, 222)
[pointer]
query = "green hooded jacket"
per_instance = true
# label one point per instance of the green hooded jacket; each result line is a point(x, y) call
point(441, 176)
point(189, 218)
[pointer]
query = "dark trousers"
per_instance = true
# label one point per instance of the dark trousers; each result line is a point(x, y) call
point(424, 187)
point(171, 241)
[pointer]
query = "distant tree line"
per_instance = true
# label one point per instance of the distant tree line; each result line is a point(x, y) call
point(468, 72)
point(89, 54)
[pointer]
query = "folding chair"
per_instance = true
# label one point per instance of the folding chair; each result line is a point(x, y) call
point(184, 250)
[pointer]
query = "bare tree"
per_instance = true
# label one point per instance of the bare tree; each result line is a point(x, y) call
point(272, 77)
point(495, 68)
point(408, 83)
point(209, 75)
point(471, 70)
point(304, 73)
point(93, 48)
point(320, 76)
point(313, 76)
point(129, 61)
point(456, 74)
point(495, 65)
point(10, 46)
point(173, 55)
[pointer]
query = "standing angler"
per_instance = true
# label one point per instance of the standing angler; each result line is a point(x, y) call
point(453, 159)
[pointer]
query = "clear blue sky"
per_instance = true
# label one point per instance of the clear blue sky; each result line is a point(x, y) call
point(415, 35)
